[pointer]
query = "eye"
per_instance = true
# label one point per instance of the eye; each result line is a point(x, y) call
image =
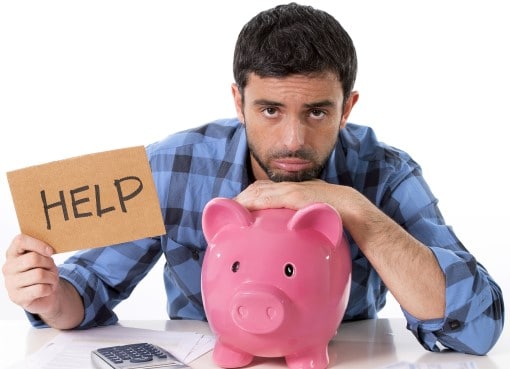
point(270, 112)
point(317, 113)
point(289, 270)
point(235, 266)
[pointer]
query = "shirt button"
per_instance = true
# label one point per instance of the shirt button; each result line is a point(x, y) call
point(454, 325)
point(195, 254)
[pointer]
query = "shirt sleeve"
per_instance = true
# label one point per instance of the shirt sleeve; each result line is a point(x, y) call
point(105, 276)
point(474, 315)
point(474, 308)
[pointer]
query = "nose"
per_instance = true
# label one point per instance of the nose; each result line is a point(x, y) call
point(294, 134)
point(257, 311)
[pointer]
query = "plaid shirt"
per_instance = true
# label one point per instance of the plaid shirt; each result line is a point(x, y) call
point(196, 165)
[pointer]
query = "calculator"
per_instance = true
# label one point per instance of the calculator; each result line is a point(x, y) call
point(134, 356)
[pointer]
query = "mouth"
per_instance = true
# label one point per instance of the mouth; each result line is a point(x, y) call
point(292, 164)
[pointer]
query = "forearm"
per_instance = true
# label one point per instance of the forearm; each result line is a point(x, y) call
point(474, 313)
point(68, 310)
point(407, 267)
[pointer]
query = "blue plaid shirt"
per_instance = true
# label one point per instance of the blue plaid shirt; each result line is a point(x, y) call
point(196, 165)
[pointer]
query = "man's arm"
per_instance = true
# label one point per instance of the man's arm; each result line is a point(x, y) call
point(446, 295)
point(32, 282)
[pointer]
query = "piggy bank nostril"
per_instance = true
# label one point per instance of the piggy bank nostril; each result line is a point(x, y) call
point(270, 312)
point(242, 312)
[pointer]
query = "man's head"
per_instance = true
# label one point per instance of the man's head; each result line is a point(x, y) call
point(294, 69)
point(294, 39)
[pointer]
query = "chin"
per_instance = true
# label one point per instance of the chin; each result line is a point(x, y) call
point(291, 176)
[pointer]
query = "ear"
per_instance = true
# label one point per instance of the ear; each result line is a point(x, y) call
point(238, 101)
point(349, 104)
point(321, 217)
point(220, 212)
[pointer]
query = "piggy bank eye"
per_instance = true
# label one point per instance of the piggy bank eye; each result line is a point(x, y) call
point(289, 270)
point(235, 266)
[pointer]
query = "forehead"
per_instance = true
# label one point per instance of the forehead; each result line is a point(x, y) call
point(317, 86)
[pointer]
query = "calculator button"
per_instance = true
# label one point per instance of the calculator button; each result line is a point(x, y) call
point(143, 359)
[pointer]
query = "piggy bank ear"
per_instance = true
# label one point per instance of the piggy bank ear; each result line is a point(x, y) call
point(320, 217)
point(220, 212)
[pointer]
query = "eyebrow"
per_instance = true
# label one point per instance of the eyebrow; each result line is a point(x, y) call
point(317, 104)
point(263, 102)
point(320, 104)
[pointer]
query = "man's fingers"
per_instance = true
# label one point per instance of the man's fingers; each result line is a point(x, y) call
point(27, 261)
point(37, 276)
point(32, 296)
point(22, 244)
point(33, 284)
point(266, 194)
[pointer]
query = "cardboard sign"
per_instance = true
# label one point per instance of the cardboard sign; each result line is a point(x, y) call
point(88, 201)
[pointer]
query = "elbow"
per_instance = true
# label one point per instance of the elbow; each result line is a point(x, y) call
point(479, 336)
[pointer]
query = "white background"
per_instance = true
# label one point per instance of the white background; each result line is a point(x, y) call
point(78, 77)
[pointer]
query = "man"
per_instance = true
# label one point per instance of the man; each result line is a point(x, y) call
point(291, 145)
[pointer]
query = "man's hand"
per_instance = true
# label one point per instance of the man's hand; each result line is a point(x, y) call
point(266, 194)
point(296, 195)
point(31, 276)
point(32, 282)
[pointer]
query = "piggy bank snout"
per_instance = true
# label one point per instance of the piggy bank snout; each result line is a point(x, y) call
point(259, 311)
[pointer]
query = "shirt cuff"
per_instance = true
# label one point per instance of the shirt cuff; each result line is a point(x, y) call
point(464, 304)
point(95, 302)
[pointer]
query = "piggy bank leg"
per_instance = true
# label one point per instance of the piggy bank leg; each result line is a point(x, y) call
point(315, 357)
point(227, 357)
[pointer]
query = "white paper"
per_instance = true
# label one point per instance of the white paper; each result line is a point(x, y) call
point(72, 349)
point(435, 365)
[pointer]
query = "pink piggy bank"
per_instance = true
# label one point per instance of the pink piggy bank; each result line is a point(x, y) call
point(275, 282)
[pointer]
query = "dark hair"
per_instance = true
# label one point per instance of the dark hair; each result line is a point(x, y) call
point(294, 39)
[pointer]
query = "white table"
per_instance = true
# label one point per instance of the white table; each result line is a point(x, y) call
point(365, 344)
